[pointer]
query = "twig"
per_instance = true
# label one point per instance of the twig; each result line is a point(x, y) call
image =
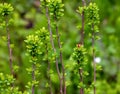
point(82, 29)
point(54, 49)
point(33, 78)
point(50, 87)
point(81, 80)
point(82, 42)
point(63, 69)
point(94, 64)
point(9, 48)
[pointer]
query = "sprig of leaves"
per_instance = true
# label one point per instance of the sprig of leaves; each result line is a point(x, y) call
point(5, 9)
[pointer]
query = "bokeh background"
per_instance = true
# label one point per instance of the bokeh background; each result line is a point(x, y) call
point(28, 17)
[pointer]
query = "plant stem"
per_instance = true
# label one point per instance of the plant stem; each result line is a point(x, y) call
point(9, 48)
point(82, 29)
point(81, 80)
point(82, 42)
point(54, 49)
point(33, 78)
point(50, 83)
point(63, 69)
point(94, 64)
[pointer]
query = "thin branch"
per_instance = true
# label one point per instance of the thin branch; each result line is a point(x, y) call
point(33, 78)
point(54, 49)
point(50, 83)
point(9, 48)
point(49, 28)
point(83, 2)
point(61, 60)
point(81, 78)
point(82, 42)
point(94, 64)
point(83, 23)
point(93, 44)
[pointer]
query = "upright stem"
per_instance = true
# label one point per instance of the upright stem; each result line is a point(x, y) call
point(50, 83)
point(49, 28)
point(94, 64)
point(63, 69)
point(33, 78)
point(81, 79)
point(54, 49)
point(82, 29)
point(9, 48)
point(82, 42)
point(93, 44)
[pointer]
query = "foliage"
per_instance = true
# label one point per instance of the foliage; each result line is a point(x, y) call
point(33, 46)
point(29, 19)
point(56, 9)
point(79, 54)
point(5, 9)
point(6, 81)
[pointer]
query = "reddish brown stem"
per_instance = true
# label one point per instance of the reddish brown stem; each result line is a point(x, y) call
point(9, 48)
point(81, 80)
point(61, 60)
point(94, 64)
point(83, 23)
point(50, 83)
point(33, 78)
point(54, 49)
point(82, 42)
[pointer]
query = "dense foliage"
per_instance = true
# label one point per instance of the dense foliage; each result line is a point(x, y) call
point(44, 51)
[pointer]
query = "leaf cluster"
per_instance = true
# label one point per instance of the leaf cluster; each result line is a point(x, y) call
point(91, 13)
point(5, 9)
point(6, 81)
point(79, 54)
point(56, 9)
point(43, 34)
point(33, 45)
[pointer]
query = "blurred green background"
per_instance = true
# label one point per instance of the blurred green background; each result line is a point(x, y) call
point(28, 17)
